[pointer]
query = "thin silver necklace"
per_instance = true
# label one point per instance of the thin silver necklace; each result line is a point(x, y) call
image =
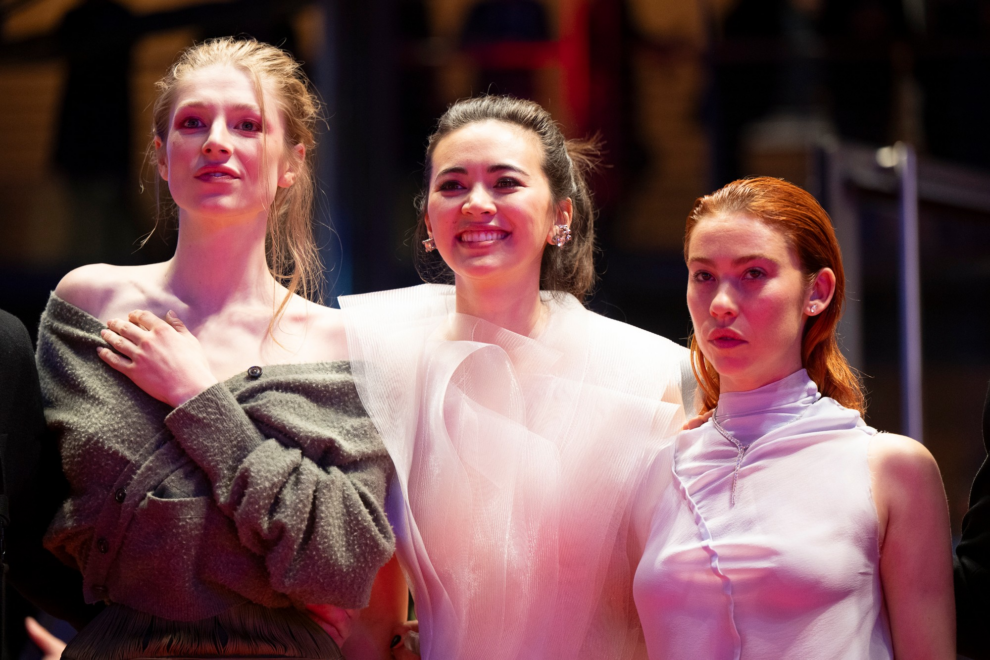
point(739, 459)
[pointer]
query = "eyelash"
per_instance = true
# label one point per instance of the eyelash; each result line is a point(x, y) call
point(188, 122)
point(505, 182)
point(702, 276)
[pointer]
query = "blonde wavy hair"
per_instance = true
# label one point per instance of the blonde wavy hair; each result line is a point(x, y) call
point(293, 258)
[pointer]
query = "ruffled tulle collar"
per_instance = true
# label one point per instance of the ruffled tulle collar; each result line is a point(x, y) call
point(753, 414)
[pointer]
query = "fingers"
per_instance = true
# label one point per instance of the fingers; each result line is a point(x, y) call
point(49, 644)
point(119, 342)
point(406, 646)
point(695, 422)
point(119, 362)
point(175, 322)
point(144, 319)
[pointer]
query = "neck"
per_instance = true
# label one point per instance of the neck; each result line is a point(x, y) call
point(216, 264)
point(516, 308)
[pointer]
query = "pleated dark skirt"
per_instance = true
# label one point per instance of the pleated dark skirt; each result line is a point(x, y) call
point(245, 631)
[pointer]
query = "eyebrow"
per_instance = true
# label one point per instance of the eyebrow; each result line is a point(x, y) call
point(735, 262)
point(201, 104)
point(498, 167)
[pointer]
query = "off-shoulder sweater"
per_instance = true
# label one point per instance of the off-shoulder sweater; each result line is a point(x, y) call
point(268, 487)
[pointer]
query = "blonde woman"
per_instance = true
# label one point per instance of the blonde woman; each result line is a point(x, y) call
point(224, 474)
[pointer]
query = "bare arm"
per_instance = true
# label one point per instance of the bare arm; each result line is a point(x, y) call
point(373, 628)
point(915, 559)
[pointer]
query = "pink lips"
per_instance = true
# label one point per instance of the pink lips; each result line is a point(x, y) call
point(216, 174)
point(725, 338)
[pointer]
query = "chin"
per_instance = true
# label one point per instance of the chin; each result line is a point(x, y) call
point(479, 268)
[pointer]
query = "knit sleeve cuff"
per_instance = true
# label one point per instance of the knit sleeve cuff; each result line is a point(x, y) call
point(215, 432)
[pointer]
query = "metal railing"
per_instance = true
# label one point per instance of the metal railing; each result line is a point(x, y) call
point(897, 171)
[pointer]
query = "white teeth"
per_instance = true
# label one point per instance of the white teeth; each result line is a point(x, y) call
point(479, 236)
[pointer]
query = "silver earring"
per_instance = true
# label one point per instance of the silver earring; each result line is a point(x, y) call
point(429, 244)
point(561, 235)
point(814, 308)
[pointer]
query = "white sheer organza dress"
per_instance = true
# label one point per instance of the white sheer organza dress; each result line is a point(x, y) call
point(516, 458)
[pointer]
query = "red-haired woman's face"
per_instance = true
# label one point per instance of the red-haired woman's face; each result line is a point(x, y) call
point(749, 300)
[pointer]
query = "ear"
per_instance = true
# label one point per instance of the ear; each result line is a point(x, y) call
point(162, 160)
point(565, 211)
point(820, 295)
point(289, 175)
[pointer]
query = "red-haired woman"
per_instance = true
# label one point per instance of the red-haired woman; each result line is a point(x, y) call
point(784, 526)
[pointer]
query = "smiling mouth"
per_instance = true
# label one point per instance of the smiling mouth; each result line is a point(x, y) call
point(482, 236)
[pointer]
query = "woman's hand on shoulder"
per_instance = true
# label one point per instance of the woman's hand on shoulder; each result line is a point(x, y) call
point(161, 356)
point(915, 555)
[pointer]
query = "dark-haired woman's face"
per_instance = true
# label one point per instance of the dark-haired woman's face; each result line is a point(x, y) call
point(489, 206)
point(749, 300)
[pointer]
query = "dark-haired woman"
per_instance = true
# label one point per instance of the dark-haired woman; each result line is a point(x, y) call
point(784, 527)
point(514, 415)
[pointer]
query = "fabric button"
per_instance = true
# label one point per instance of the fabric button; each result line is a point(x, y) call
point(120, 495)
point(254, 373)
point(103, 545)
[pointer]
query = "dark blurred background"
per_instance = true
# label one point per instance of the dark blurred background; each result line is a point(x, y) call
point(688, 95)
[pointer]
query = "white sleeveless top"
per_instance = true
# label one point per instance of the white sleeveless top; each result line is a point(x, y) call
point(515, 463)
point(787, 565)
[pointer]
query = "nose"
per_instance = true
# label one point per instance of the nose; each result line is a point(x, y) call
point(218, 141)
point(479, 201)
point(724, 302)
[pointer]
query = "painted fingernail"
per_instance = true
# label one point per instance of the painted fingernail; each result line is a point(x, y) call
point(396, 640)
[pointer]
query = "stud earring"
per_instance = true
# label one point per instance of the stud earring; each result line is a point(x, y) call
point(429, 244)
point(561, 235)
point(814, 308)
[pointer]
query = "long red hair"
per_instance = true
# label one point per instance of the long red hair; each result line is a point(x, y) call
point(808, 229)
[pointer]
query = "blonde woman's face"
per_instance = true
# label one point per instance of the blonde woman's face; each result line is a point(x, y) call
point(223, 157)
point(749, 300)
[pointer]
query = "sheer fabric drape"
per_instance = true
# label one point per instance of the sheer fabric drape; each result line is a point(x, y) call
point(516, 459)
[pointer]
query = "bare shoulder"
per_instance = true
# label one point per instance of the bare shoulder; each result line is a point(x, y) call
point(103, 290)
point(899, 460)
point(323, 329)
point(907, 484)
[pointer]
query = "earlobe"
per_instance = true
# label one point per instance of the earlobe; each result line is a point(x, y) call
point(162, 160)
point(289, 176)
point(563, 219)
point(822, 291)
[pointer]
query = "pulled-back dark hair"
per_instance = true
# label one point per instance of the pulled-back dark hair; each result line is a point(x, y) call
point(566, 164)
